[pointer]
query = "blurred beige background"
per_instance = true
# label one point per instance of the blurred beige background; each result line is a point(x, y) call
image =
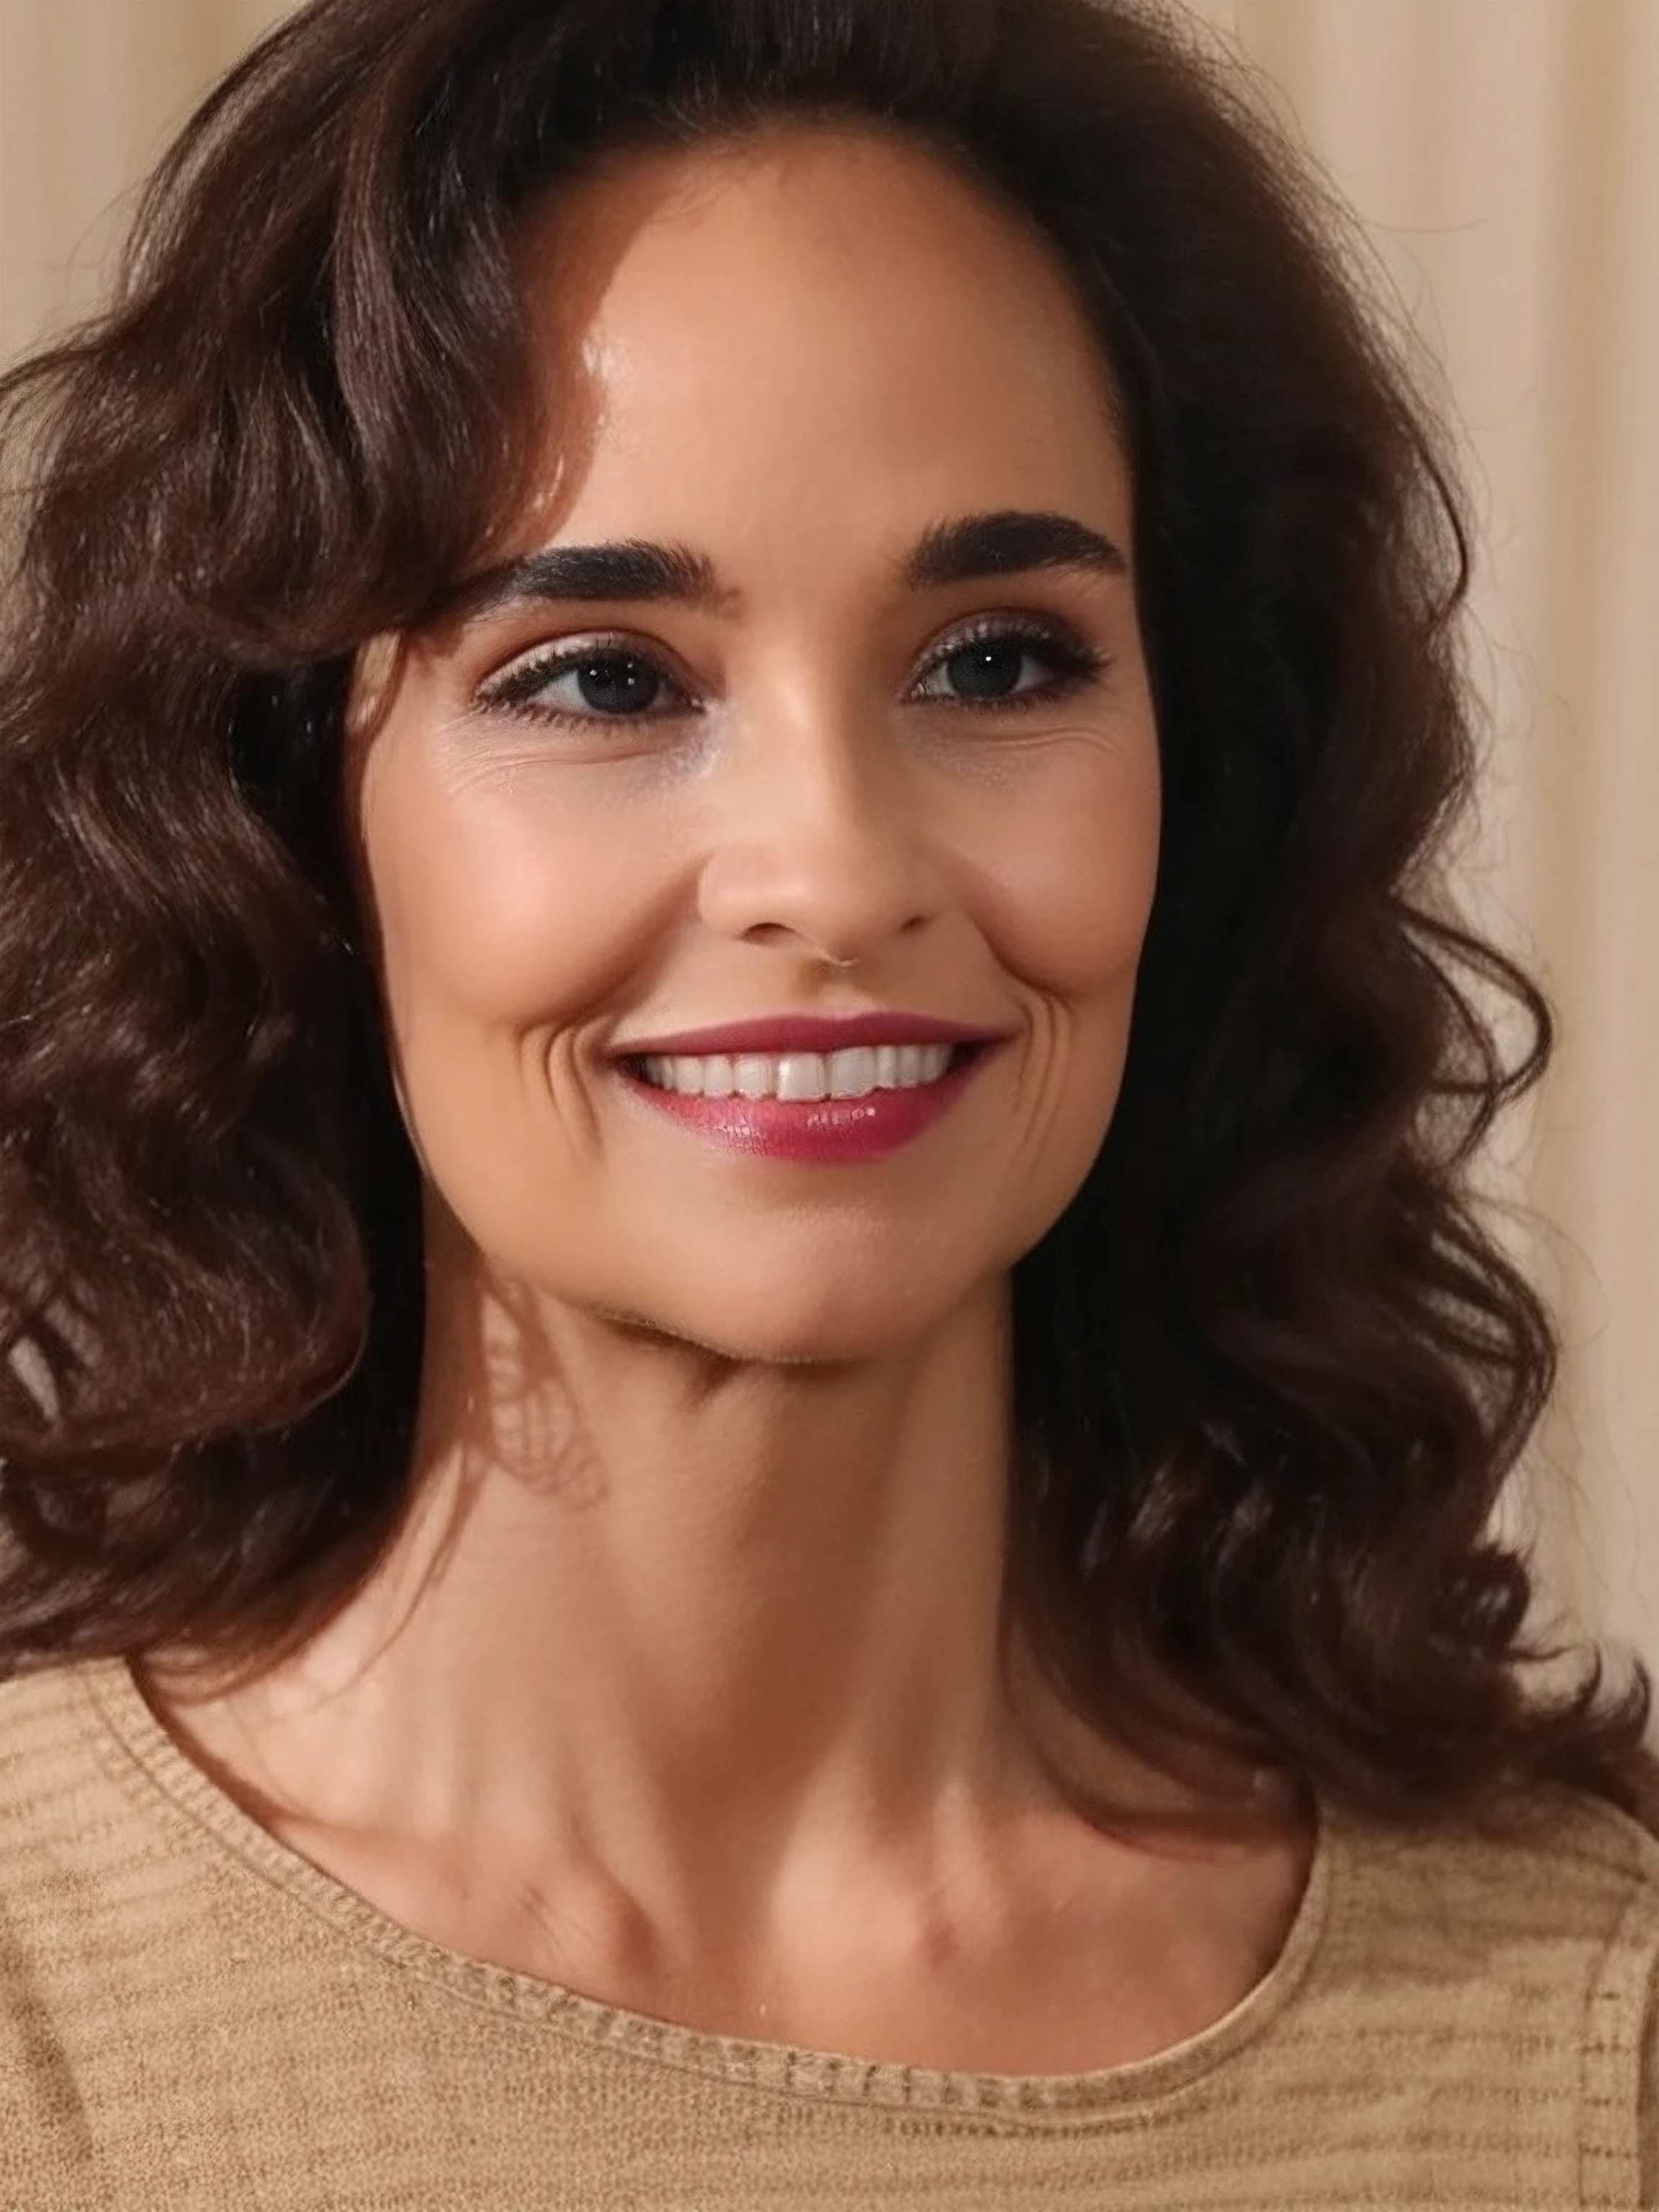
point(1502, 156)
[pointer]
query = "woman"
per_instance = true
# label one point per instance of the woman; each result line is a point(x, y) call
point(753, 1399)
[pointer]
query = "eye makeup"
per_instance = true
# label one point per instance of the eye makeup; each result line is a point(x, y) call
point(619, 678)
point(621, 666)
point(1072, 664)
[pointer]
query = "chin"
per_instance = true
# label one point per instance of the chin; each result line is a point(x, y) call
point(746, 1331)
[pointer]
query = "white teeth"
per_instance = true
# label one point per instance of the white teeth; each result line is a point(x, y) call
point(801, 1076)
point(851, 1073)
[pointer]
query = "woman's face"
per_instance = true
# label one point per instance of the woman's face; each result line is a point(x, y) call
point(860, 724)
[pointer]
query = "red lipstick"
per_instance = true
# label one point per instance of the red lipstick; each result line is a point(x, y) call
point(821, 1131)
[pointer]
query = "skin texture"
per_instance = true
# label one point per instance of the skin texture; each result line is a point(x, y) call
point(682, 1686)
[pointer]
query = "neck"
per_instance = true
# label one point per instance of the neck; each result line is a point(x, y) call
point(729, 1630)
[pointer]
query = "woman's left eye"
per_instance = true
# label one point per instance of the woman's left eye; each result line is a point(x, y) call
point(998, 666)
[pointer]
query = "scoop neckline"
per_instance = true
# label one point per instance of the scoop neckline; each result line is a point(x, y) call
point(161, 1767)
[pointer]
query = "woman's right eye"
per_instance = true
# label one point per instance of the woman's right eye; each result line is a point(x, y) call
point(584, 683)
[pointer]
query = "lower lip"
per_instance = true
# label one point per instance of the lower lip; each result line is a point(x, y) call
point(826, 1132)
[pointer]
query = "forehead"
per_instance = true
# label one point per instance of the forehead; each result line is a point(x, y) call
point(811, 314)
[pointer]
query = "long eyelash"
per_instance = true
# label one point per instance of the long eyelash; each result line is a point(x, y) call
point(515, 690)
point(1075, 663)
point(519, 684)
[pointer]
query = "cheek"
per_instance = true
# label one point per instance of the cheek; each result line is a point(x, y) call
point(1077, 888)
point(504, 926)
point(493, 911)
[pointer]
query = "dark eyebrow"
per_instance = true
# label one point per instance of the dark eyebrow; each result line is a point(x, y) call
point(634, 570)
point(1008, 545)
point(631, 570)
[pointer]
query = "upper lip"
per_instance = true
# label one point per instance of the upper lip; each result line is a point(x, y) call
point(812, 1033)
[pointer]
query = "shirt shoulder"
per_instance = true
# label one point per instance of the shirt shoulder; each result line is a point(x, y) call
point(64, 1820)
point(1498, 1984)
point(49, 1767)
point(1562, 1862)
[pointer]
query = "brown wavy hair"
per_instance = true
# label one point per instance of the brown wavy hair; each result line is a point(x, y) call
point(1272, 1369)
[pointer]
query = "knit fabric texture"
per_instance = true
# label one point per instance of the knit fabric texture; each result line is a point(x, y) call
point(193, 2018)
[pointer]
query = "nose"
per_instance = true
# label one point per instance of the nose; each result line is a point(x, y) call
point(821, 836)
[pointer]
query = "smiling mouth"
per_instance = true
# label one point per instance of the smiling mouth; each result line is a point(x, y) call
point(804, 1077)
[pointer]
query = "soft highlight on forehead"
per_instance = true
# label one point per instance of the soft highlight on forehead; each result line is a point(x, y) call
point(573, 239)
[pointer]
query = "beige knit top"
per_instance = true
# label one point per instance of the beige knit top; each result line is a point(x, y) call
point(195, 2019)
